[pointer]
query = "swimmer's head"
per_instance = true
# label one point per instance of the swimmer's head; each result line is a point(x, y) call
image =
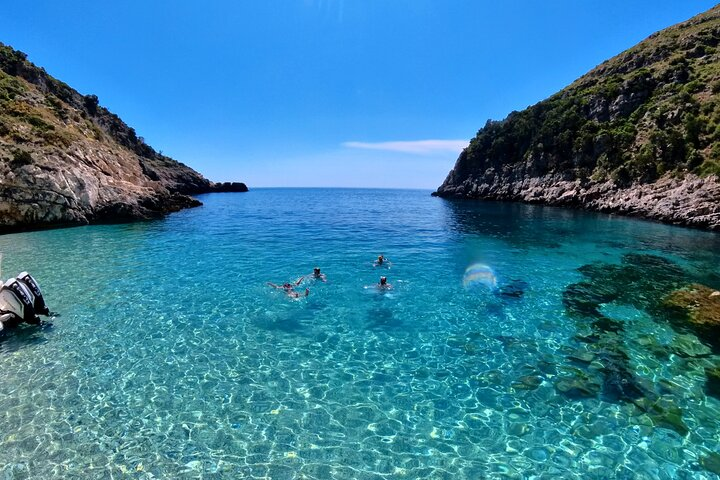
point(383, 280)
point(316, 270)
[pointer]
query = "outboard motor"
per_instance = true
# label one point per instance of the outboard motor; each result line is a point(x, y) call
point(39, 301)
point(18, 300)
point(25, 296)
point(11, 308)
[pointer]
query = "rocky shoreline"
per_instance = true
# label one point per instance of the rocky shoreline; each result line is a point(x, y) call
point(691, 201)
point(23, 211)
point(66, 160)
point(73, 189)
point(638, 135)
point(92, 183)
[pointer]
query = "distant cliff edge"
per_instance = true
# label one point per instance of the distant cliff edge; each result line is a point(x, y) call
point(638, 135)
point(66, 160)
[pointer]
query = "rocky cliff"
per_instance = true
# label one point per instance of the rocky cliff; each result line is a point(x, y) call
point(66, 160)
point(638, 135)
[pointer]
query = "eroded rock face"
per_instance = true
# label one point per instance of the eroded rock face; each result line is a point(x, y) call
point(634, 136)
point(66, 160)
point(690, 201)
point(82, 185)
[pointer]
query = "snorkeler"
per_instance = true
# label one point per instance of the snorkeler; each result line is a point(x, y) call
point(317, 275)
point(383, 285)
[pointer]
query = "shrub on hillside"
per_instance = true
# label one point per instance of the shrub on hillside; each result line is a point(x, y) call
point(21, 158)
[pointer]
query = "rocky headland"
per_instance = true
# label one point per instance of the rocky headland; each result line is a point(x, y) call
point(638, 135)
point(66, 160)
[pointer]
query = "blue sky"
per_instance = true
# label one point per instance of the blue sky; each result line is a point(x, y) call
point(361, 93)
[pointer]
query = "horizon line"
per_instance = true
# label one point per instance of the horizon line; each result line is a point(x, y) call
point(336, 188)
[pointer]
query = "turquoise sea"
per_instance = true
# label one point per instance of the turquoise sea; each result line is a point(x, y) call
point(172, 357)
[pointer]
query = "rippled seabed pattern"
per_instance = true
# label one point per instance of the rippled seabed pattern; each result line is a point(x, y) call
point(172, 358)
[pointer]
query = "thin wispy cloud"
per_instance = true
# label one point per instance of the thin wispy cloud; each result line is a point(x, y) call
point(417, 147)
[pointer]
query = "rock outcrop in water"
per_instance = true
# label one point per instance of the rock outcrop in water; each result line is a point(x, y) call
point(698, 308)
point(66, 160)
point(638, 135)
point(641, 282)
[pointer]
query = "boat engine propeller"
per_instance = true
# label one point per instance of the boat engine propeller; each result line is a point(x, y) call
point(21, 301)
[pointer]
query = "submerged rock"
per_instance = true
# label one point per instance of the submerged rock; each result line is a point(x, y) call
point(619, 382)
point(578, 386)
point(606, 373)
point(689, 346)
point(697, 307)
point(664, 413)
point(712, 384)
point(639, 281)
point(637, 284)
point(582, 356)
point(528, 382)
point(711, 462)
point(513, 289)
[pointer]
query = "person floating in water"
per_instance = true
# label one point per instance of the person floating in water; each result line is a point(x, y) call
point(289, 288)
point(381, 260)
point(383, 285)
point(317, 275)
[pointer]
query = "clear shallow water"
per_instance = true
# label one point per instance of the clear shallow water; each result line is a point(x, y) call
point(173, 359)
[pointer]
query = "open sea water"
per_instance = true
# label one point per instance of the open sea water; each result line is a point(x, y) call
point(173, 358)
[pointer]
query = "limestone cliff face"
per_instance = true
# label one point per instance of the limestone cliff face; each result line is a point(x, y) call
point(638, 135)
point(66, 160)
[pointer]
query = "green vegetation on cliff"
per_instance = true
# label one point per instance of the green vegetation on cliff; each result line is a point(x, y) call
point(650, 111)
point(65, 159)
point(40, 115)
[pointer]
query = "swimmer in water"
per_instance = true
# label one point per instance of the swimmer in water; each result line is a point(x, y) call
point(289, 288)
point(383, 285)
point(381, 260)
point(294, 294)
point(317, 275)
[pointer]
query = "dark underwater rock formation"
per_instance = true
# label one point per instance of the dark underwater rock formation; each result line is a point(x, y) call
point(604, 367)
point(711, 462)
point(712, 385)
point(665, 292)
point(664, 413)
point(513, 289)
point(640, 280)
